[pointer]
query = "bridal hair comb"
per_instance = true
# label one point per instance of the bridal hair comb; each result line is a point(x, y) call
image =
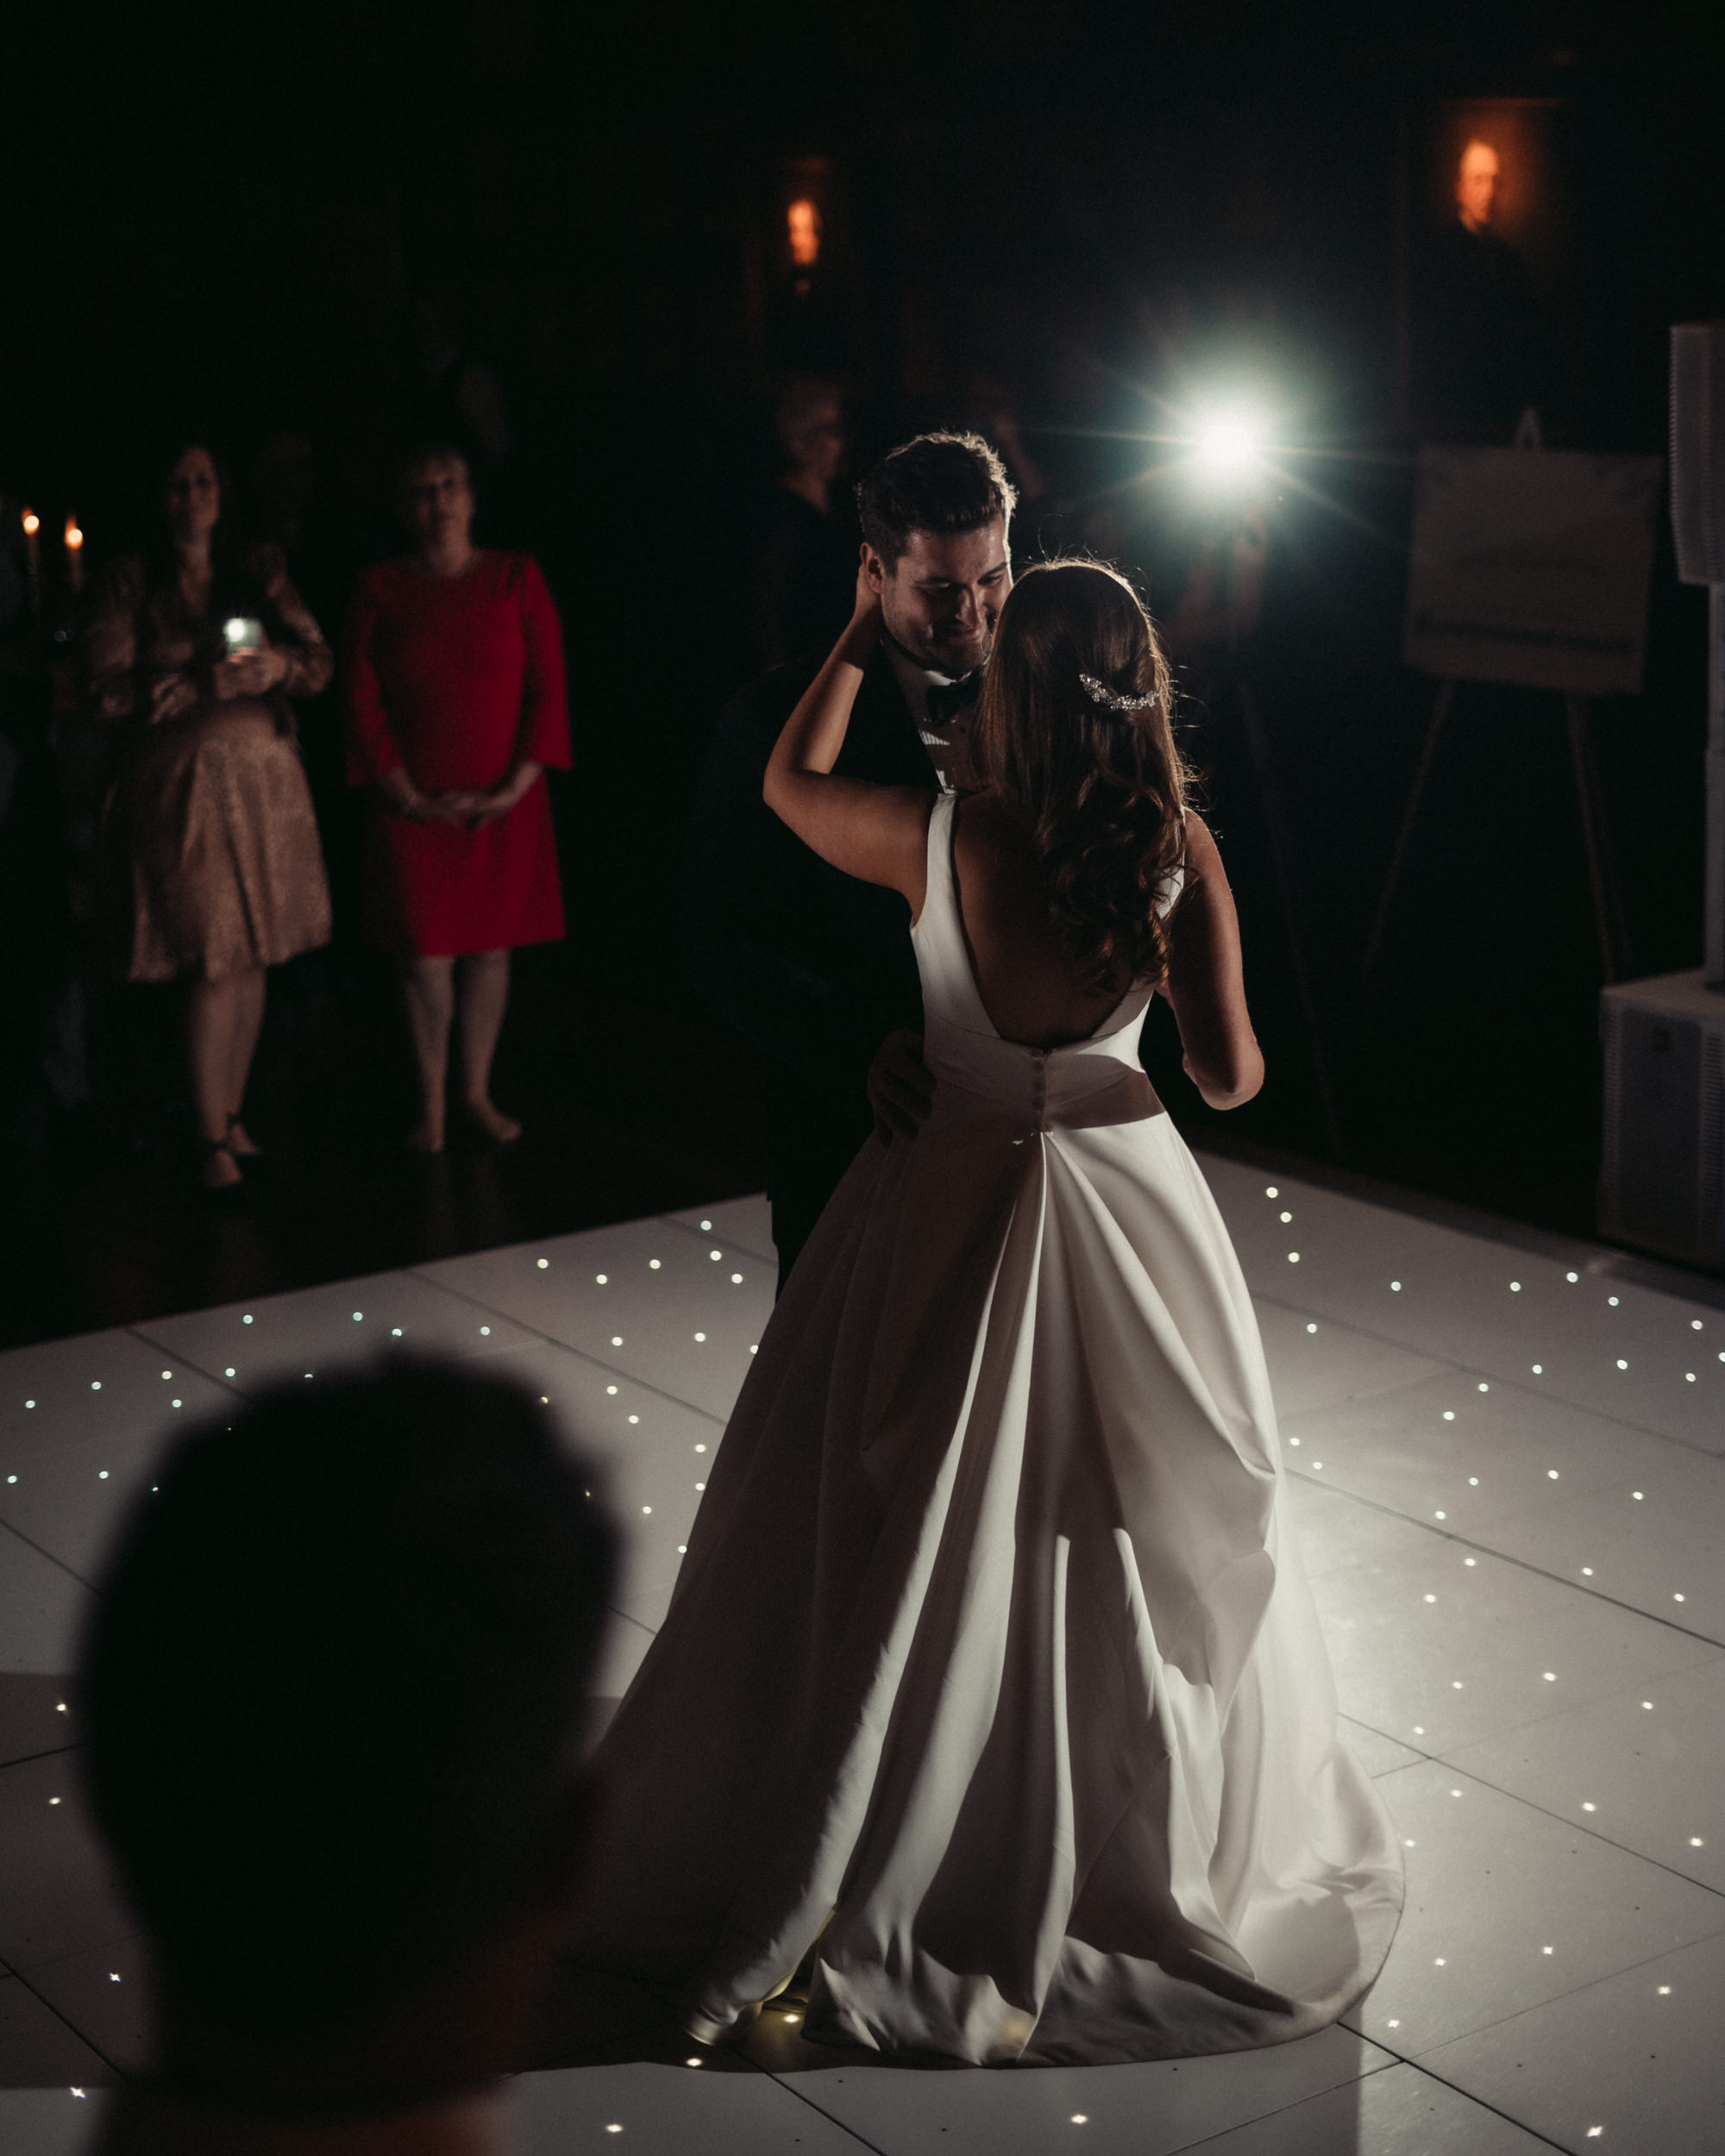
point(1113, 699)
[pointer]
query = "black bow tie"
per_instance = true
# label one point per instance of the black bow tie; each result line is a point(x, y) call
point(947, 698)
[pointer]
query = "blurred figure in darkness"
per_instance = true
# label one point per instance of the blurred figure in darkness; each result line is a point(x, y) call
point(992, 410)
point(456, 397)
point(335, 1694)
point(284, 488)
point(290, 511)
point(42, 1059)
point(805, 574)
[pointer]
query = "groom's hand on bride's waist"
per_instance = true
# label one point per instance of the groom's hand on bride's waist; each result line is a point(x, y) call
point(900, 1086)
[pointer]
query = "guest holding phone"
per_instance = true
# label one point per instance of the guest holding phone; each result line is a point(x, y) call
point(455, 706)
point(192, 648)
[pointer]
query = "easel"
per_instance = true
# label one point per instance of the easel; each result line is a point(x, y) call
point(1615, 957)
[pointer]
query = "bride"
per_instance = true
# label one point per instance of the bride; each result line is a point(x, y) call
point(991, 1692)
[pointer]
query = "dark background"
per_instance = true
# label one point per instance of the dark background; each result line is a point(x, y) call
point(1080, 206)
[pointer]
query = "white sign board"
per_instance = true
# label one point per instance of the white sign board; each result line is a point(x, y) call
point(1531, 566)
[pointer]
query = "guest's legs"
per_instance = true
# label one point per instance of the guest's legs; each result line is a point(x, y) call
point(485, 994)
point(429, 989)
point(211, 1025)
point(248, 1017)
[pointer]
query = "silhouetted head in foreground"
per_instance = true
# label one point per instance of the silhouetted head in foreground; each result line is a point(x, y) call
point(334, 1694)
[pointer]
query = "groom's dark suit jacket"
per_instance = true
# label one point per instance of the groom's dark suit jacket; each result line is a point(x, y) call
point(811, 966)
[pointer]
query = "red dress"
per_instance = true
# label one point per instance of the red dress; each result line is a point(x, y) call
point(457, 678)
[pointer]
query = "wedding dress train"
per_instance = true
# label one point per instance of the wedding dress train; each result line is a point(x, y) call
point(991, 1667)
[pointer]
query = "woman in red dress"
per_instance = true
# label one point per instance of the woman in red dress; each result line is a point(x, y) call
point(455, 706)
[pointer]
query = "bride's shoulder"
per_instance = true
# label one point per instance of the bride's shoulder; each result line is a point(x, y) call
point(1197, 843)
point(988, 824)
point(979, 808)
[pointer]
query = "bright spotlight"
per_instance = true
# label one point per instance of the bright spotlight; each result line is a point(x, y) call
point(1229, 445)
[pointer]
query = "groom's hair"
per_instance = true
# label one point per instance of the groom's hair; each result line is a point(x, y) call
point(938, 482)
point(334, 1688)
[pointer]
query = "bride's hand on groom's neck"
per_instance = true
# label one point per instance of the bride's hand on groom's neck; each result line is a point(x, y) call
point(863, 632)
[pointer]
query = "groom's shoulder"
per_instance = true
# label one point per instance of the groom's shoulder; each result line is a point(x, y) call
point(770, 698)
point(759, 708)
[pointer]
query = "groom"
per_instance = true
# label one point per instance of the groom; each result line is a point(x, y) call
point(811, 966)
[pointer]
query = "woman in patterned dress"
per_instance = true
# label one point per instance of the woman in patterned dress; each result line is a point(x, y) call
point(192, 648)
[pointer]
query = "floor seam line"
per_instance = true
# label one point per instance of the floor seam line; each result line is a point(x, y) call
point(1533, 1804)
point(31, 1758)
point(1575, 1991)
point(1638, 1268)
point(226, 1384)
point(1344, 1715)
point(1392, 2059)
point(670, 1219)
point(550, 1340)
point(1496, 2109)
point(1523, 1564)
point(783, 2080)
point(1466, 1369)
point(30, 1543)
point(113, 2065)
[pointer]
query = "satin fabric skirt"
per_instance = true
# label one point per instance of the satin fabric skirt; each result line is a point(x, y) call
point(991, 1674)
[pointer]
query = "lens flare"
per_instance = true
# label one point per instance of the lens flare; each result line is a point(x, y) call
point(1229, 445)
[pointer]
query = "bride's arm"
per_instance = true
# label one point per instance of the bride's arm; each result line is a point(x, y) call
point(1205, 982)
point(876, 833)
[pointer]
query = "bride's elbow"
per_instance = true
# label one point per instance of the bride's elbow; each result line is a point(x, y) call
point(1241, 1095)
point(1242, 1080)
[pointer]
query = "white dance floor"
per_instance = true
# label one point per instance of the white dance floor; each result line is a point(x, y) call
point(1509, 1470)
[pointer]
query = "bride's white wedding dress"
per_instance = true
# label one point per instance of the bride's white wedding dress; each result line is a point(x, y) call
point(991, 1666)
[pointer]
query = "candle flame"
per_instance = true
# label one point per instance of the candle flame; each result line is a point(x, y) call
point(33, 523)
point(74, 537)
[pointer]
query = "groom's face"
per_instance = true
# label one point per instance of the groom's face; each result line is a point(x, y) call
point(940, 599)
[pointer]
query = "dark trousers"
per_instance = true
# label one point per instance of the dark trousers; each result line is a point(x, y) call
point(812, 1148)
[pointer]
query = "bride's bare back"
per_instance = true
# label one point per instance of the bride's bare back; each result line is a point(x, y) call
point(880, 834)
point(1024, 978)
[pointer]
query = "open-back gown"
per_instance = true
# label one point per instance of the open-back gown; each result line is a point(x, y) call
point(991, 1666)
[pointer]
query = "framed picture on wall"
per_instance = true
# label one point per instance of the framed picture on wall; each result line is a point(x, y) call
point(1487, 265)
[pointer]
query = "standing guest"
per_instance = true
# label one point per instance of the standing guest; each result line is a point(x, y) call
point(805, 564)
point(194, 646)
point(334, 1691)
point(455, 706)
point(455, 396)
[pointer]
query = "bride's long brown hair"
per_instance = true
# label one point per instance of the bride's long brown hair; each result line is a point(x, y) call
point(1098, 792)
